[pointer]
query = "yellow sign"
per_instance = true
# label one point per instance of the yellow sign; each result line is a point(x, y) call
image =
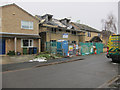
point(70, 48)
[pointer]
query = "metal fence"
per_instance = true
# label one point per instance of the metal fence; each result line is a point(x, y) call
point(89, 48)
point(99, 47)
point(62, 48)
point(51, 47)
point(86, 48)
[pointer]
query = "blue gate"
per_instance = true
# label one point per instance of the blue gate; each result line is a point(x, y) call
point(65, 47)
point(59, 48)
point(2, 46)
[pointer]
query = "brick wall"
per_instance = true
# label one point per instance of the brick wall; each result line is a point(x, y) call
point(11, 20)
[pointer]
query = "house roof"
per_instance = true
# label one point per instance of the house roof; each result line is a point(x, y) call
point(84, 27)
point(20, 9)
point(53, 22)
point(20, 36)
point(95, 38)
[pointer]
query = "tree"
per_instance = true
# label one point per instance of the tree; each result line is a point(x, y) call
point(108, 27)
point(110, 23)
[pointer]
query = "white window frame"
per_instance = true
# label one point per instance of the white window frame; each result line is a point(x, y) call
point(89, 34)
point(30, 23)
point(28, 43)
point(99, 34)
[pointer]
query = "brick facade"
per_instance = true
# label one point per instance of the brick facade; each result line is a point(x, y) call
point(12, 15)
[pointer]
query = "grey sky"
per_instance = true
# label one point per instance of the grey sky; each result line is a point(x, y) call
point(89, 13)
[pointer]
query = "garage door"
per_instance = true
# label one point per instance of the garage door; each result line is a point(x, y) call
point(2, 46)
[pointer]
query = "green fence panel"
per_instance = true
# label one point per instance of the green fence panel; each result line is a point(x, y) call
point(59, 48)
point(86, 48)
point(99, 47)
point(51, 47)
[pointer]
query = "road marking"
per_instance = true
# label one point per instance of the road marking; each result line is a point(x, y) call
point(115, 78)
point(114, 63)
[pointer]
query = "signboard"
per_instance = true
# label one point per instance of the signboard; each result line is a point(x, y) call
point(70, 48)
point(76, 46)
point(65, 35)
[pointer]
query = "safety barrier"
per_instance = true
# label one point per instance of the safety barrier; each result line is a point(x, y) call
point(86, 48)
point(60, 48)
point(66, 49)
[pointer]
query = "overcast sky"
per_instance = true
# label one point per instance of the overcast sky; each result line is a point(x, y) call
point(89, 13)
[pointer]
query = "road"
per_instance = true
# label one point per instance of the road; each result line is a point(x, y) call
point(91, 72)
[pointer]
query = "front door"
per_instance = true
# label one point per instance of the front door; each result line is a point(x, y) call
point(2, 46)
point(43, 41)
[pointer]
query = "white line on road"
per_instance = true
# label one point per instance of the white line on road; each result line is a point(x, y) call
point(106, 84)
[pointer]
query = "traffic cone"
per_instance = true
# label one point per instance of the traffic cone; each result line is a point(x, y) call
point(68, 54)
point(76, 53)
point(95, 51)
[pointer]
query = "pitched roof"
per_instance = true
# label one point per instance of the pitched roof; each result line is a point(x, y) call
point(96, 38)
point(86, 27)
point(20, 9)
point(53, 21)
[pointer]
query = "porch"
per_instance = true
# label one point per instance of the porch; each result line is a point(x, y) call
point(18, 43)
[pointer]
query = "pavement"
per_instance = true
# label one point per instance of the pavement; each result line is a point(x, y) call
point(15, 59)
point(91, 72)
point(21, 62)
point(27, 64)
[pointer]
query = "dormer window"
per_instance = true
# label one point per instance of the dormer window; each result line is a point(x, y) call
point(49, 18)
point(65, 21)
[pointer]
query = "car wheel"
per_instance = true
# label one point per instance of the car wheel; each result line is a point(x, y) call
point(114, 60)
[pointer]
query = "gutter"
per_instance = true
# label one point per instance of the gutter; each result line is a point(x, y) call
point(19, 34)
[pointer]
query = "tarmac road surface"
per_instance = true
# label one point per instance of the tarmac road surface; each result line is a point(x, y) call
point(92, 72)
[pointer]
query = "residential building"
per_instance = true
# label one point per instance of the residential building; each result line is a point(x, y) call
point(89, 32)
point(53, 30)
point(19, 30)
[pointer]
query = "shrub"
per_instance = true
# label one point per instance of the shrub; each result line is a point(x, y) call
point(11, 53)
point(47, 56)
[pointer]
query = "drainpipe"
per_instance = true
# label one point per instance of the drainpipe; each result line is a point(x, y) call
point(15, 41)
point(39, 45)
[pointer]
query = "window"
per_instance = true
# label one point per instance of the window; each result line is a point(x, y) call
point(60, 30)
point(68, 41)
point(68, 31)
point(26, 42)
point(52, 40)
point(88, 34)
point(74, 32)
point(53, 30)
point(26, 25)
point(74, 42)
point(98, 34)
point(0, 23)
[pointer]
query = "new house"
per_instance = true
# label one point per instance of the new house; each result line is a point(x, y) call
point(19, 30)
point(54, 30)
point(90, 34)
